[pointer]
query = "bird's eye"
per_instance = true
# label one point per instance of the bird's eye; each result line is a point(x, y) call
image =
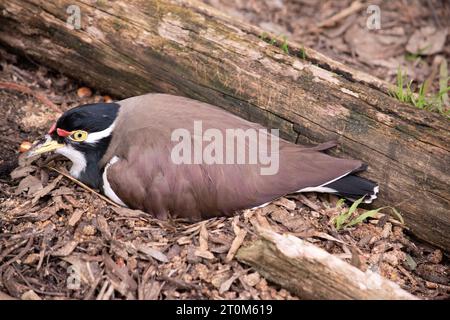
point(78, 136)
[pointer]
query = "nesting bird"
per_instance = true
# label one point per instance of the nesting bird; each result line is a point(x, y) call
point(133, 151)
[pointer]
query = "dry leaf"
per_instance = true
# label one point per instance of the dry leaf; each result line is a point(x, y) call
point(202, 251)
point(203, 237)
point(427, 41)
point(46, 190)
point(75, 217)
point(288, 204)
point(237, 242)
point(153, 253)
point(373, 47)
point(204, 254)
point(251, 279)
point(119, 276)
point(31, 258)
point(184, 240)
point(218, 279)
point(151, 290)
point(226, 285)
point(66, 249)
point(262, 221)
point(62, 191)
point(103, 226)
point(21, 172)
point(30, 183)
point(88, 271)
point(326, 236)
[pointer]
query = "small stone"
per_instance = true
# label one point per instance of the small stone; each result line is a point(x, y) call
point(25, 146)
point(31, 259)
point(283, 293)
point(30, 295)
point(262, 285)
point(84, 92)
point(265, 295)
point(435, 257)
point(107, 99)
point(191, 257)
point(230, 295)
point(315, 214)
point(202, 271)
point(130, 224)
point(120, 262)
point(390, 258)
point(244, 295)
point(132, 263)
point(252, 279)
point(88, 230)
point(187, 278)
point(218, 279)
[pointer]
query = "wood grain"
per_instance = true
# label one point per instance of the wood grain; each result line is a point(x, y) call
point(313, 273)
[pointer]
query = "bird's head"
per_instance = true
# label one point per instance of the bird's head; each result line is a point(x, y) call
point(82, 135)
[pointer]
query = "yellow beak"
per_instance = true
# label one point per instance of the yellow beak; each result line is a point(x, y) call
point(47, 146)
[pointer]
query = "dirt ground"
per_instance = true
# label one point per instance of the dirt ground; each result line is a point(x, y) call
point(48, 223)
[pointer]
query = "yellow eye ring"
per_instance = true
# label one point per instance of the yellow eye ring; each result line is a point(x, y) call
point(78, 136)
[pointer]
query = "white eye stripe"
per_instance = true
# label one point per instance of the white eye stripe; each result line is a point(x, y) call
point(97, 136)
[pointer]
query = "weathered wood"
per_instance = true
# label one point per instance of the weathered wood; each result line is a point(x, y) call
point(183, 47)
point(313, 273)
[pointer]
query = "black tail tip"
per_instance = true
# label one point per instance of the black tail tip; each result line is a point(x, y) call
point(353, 188)
point(369, 198)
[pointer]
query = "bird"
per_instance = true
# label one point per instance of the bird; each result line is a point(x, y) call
point(130, 150)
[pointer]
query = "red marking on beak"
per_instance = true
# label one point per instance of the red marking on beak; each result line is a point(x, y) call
point(63, 133)
point(52, 129)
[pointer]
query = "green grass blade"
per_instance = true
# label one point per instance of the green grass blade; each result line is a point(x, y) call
point(362, 217)
point(340, 203)
point(342, 218)
point(355, 205)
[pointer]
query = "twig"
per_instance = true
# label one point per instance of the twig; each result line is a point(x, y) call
point(433, 11)
point(179, 283)
point(94, 286)
point(354, 7)
point(27, 90)
point(7, 251)
point(19, 255)
point(81, 184)
point(308, 203)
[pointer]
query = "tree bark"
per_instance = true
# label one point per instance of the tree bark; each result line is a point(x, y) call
point(313, 273)
point(183, 47)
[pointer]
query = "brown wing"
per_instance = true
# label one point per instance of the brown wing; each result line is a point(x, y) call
point(146, 178)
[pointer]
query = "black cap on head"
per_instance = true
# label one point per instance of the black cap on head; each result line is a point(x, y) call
point(89, 117)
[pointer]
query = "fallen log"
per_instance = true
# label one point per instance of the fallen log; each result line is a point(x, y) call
point(313, 273)
point(184, 47)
